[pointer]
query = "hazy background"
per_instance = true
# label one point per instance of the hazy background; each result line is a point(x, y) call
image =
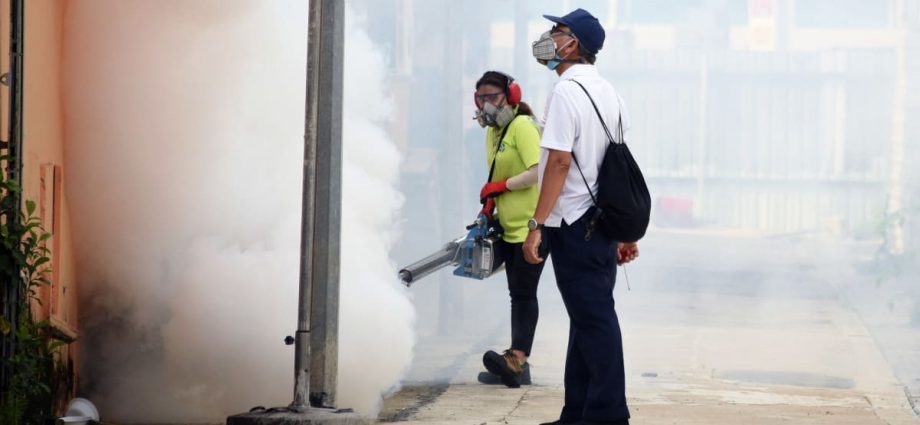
point(777, 138)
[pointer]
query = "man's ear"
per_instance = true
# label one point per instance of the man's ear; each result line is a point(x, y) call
point(572, 48)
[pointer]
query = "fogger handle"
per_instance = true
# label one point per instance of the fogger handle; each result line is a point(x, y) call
point(479, 221)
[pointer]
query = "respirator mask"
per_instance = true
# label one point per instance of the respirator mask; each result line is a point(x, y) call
point(493, 116)
point(545, 51)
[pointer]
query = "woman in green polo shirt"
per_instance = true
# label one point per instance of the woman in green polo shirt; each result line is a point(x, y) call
point(511, 192)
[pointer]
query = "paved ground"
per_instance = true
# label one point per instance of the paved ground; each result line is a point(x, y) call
point(718, 329)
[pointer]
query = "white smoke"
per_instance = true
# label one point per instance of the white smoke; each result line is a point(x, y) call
point(376, 334)
point(185, 137)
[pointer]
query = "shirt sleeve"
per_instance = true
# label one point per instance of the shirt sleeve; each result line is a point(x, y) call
point(524, 180)
point(527, 141)
point(559, 130)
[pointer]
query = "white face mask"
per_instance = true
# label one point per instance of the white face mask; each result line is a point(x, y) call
point(491, 115)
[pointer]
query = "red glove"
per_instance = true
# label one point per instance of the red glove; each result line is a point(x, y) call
point(489, 208)
point(493, 189)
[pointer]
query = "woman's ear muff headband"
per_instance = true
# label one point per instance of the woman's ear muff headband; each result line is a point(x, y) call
point(512, 91)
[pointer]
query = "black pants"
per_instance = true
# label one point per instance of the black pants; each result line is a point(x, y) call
point(595, 384)
point(523, 278)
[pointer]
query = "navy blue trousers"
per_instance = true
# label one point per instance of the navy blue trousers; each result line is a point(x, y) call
point(595, 381)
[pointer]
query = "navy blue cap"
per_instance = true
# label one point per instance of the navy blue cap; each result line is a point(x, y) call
point(585, 26)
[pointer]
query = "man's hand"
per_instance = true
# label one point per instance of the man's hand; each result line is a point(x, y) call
point(532, 247)
point(488, 208)
point(493, 189)
point(627, 252)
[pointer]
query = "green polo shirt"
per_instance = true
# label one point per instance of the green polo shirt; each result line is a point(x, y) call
point(519, 151)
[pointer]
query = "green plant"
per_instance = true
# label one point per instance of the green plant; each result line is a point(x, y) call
point(24, 265)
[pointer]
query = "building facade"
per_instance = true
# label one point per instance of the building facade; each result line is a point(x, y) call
point(42, 147)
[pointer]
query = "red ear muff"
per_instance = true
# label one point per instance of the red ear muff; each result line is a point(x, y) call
point(514, 92)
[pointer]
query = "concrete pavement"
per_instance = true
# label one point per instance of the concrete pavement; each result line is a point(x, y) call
point(718, 329)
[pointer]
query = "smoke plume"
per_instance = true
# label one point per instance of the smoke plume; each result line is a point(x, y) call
point(184, 153)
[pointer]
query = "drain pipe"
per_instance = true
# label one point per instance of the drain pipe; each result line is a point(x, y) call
point(12, 294)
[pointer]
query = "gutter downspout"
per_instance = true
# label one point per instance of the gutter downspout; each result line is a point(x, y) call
point(12, 293)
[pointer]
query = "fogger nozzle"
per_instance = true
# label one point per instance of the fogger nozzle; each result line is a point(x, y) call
point(430, 264)
point(406, 277)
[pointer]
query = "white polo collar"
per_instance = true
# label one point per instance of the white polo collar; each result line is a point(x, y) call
point(578, 70)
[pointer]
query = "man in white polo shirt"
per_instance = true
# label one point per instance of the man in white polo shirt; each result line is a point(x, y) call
point(584, 262)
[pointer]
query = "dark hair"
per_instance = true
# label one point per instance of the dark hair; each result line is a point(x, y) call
point(586, 54)
point(524, 109)
point(498, 79)
point(494, 78)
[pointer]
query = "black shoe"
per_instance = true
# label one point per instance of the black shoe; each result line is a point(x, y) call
point(621, 422)
point(506, 366)
point(560, 422)
point(490, 378)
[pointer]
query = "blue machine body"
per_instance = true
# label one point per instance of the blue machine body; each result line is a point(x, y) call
point(474, 255)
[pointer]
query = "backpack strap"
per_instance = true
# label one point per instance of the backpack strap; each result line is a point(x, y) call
point(606, 130)
point(604, 124)
point(593, 199)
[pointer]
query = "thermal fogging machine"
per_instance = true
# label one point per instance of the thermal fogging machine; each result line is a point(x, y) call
point(473, 255)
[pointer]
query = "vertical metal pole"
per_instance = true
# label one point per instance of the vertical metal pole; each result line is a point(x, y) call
point(326, 248)
point(14, 167)
point(316, 340)
point(13, 294)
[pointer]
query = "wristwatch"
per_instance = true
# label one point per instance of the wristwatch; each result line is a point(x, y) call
point(533, 225)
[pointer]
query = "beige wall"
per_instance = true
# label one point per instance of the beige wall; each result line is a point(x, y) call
point(43, 158)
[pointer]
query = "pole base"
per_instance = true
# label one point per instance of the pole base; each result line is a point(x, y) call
point(311, 416)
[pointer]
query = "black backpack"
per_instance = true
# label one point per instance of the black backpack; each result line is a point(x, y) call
point(623, 204)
